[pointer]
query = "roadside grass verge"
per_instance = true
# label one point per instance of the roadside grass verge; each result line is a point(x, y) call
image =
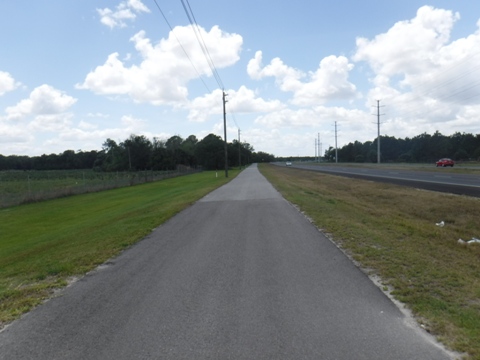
point(45, 245)
point(391, 232)
point(19, 187)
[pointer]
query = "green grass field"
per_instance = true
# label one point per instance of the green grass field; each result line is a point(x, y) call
point(21, 187)
point(391, 232)
point(46, 244)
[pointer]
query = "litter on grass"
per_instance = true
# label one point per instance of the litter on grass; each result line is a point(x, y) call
point(441, 224)
point(472, 241)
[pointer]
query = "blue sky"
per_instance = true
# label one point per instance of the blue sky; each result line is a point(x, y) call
point(74, 73)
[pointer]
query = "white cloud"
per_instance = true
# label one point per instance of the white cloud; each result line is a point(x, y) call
point(7, 83)
point(98, 115)
point(242, 101)
point(96, 137)
point(315, 117)
point(328, 82)
point(88, 136)
point(203, 107)
point(43, 100)
point(425, 80)
point(286, 77)
point(126, 10)
point(131, 122)
point(409, 46)
point(51, 122)
point(10, 134)
point(164, 72)
point(138, 6)
point(84, 125)
point(246, 101)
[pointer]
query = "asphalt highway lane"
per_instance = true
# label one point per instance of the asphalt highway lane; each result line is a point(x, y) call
point(239, 275)
point(441, 179)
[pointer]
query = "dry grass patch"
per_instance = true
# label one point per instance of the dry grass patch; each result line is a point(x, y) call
point(392, 231)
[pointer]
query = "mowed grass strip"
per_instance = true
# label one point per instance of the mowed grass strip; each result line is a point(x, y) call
point(391, 231)
point(43, 245)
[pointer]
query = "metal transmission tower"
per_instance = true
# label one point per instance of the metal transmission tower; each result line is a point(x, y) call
point(378, 127)
point(318, 148)
point(225, 133)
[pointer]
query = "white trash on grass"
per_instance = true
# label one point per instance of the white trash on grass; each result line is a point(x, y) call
point(472, 241)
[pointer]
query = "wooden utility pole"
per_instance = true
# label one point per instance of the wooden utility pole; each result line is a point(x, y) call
point(239, 151)
point(225, 133)
point(336, 148)
point(378, 131)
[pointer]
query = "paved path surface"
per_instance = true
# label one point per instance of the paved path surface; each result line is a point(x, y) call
point(239, 275)
point(438, 179)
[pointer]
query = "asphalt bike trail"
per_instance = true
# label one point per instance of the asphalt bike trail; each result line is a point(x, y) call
point(241, 274)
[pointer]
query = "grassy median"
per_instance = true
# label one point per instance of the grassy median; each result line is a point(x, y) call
point(44, 245)
point(391, 232)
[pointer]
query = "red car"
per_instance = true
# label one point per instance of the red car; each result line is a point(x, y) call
point(445, 162)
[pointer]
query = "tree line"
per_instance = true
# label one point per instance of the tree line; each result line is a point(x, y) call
point(139, 153)
point(423, 148)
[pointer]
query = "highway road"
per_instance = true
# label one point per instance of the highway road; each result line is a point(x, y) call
point(439, 179)
point(241, 274)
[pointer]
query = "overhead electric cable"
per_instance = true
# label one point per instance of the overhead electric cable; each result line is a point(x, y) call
point(184, 51)
point(198, 35)
point(234, 120)
point(462, 89)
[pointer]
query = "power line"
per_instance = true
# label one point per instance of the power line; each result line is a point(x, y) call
point(428, 92)
point(178, 40)
point(234, 120)
point(198, 34)
point(201, 42)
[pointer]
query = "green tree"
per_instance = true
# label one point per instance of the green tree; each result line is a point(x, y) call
point(139, 150)
point(159, 155)
point(210, 152)
point(111, 158)
point(188, 149)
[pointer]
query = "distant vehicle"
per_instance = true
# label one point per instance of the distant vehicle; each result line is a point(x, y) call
point(288, 163)
point(445, 162)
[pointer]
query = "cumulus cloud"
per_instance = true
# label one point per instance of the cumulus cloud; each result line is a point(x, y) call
point(7, 83)
point(13, 134)
point(45, 110)
point(164, 72)
point(90, 136)
point(418, 54)
point(87, 126)
point(409, 46)
point(243, 100)
point(51, 122)
point(43, 101)
point(328, 82)
point(126, 10)
point(314, 117)
point(287, 78)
